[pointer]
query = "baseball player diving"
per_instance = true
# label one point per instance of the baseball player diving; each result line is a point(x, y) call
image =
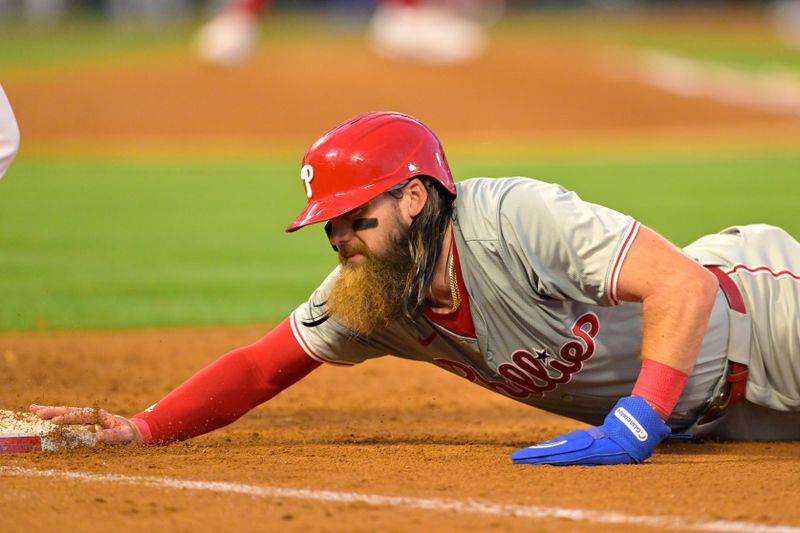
point(521, 287)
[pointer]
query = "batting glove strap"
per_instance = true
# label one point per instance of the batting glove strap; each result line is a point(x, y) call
point(629, 434)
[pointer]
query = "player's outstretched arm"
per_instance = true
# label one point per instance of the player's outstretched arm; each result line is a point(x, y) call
point(214, 397)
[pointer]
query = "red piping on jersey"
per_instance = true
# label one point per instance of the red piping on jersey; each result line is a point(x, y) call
point(460, 320)
point(761, 269)
point(623, 252)
point(306, 346)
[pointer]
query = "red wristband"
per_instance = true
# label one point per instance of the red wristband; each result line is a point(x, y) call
point(660, 385)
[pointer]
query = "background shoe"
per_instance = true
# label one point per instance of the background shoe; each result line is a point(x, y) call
point(425, 33)
point(229, 39)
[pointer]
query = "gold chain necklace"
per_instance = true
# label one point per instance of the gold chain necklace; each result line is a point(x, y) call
point(451, 275)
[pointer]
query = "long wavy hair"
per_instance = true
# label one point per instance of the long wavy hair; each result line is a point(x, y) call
point(425, 238)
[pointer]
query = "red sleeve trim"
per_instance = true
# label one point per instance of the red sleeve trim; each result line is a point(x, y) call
point(306, 345)
point(621, 254)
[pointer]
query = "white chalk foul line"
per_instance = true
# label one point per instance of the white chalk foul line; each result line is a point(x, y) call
point(430, 504)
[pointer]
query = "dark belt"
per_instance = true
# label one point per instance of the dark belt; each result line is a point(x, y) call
point(736, 379)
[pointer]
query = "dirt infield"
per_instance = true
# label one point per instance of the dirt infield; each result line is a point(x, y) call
point(387, 427)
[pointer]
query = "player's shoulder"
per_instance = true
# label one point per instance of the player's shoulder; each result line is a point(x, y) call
point(494, 191)
point(480, 202)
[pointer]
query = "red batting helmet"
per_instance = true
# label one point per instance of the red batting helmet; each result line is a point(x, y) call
point(364, 157)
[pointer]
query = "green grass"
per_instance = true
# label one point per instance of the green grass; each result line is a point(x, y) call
point(102, 242)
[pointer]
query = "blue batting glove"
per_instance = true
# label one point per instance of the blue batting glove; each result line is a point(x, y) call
point(629, 434)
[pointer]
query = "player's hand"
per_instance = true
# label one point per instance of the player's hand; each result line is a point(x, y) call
point(111, 429)
point(629, 434)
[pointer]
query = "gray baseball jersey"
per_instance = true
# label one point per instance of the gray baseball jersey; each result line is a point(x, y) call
point(540, 267)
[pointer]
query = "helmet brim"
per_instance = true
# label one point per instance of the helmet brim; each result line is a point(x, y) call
point(330, 207)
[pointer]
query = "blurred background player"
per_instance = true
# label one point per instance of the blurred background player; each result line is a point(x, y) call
point(428, 31)
point(232, 36)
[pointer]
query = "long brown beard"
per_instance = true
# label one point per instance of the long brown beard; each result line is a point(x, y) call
point(367, 296)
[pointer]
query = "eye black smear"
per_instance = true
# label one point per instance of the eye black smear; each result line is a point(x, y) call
point(364, 223)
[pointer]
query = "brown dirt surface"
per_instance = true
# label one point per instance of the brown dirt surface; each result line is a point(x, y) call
point(387, 427)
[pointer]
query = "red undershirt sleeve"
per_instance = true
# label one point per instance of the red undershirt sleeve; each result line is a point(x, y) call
point(227, 388)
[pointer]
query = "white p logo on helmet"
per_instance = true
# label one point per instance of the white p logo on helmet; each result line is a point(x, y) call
point(307, 174)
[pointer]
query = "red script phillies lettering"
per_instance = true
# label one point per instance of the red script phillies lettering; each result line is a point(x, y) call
point(528, 374)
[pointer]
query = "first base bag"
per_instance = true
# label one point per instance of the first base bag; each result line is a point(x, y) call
point(25, 432)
